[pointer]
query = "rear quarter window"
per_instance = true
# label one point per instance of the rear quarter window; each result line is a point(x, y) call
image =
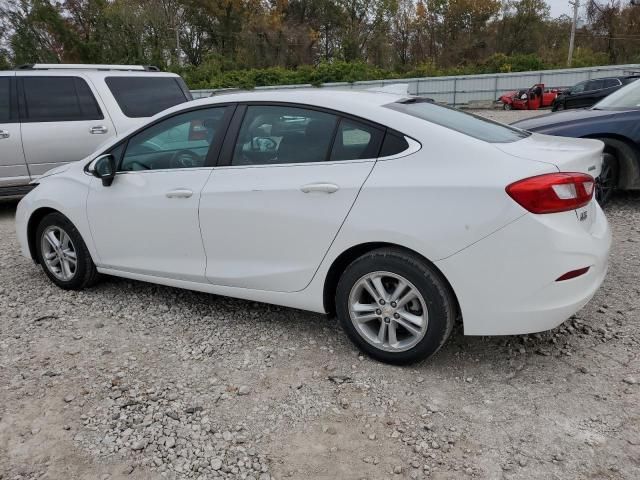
point(145, 96)
point(454, 119)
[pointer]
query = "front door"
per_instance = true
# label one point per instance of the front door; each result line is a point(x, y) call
point(62, 120)
point(13, 168)
point(146, 222)
point(270, 215)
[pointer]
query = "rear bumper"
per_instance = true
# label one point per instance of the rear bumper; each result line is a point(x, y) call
point(506, 283)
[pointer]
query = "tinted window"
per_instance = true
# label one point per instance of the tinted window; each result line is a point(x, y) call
point(5, 99)
point(579, 87)
point(594, 85)
point(57, 99)
point(356, 141)
point(463, 122)
point(181, 141)
point(611, 82)
point(393, 144)
point(628, 80)
point(145, 96)
point(281, 134)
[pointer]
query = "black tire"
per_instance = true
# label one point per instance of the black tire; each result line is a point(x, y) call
point(607, 182)
point(438, 297)
point(559, 107)
point(506, 106)
point(85, 273)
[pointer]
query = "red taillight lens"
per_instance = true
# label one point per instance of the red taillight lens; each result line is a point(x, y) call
point(554, 192)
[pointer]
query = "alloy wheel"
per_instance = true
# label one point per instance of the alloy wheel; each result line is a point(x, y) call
point(388, 311)
point(59, 253)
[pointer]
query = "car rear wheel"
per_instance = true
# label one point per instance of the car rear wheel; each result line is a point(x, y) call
point(608, 179)
point(62, 253)
point(395, 306)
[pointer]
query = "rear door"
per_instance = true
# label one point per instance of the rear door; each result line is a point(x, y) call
point(13, 168)
point(289, 177)
point(62, 119)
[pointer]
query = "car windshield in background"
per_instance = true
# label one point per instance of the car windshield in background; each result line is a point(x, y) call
point(463, 122)
point(627, 97)
point(146, 96)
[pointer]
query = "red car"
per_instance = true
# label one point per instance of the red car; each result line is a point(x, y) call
point(529, 99)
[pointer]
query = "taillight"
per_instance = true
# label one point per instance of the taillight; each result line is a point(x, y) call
point(553, 192)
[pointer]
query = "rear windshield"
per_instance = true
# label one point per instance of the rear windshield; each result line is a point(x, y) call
point(463, 122)
point(146, 96)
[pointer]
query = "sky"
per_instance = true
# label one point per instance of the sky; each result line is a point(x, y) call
point(558, 7)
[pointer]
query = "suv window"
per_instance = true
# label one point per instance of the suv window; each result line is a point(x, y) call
point(594, 85)
point(181, 141)
point(58, 99)
point(5, 99)
point(454, 119)
point(578, 87)
point(611, 82)
point(355, 141)
point(282, 134)
point(146, 96)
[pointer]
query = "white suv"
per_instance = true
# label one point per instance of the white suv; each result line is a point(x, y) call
point(55, 114)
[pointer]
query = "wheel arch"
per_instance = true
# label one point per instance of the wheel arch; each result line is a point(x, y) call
point(628, 156)
point(32, 227)
point(343, 260)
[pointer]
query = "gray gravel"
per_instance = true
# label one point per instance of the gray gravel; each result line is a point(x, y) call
point(132, 380)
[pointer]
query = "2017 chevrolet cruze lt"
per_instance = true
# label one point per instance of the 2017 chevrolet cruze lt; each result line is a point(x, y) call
point(397, 214)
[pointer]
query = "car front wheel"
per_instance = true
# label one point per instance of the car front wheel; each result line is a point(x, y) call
point(395, 306)
point(62, 253)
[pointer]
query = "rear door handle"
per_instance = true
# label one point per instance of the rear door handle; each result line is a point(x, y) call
point(320, 187)
point(179, 193)
point(98, 130)
point(4, 134)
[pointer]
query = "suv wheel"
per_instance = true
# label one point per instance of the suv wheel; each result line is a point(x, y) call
point(395, 306)
point(63, 254)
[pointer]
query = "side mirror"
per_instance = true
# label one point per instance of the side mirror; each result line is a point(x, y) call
point(104, 168)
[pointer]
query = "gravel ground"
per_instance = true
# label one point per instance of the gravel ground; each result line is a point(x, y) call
point(132, 380)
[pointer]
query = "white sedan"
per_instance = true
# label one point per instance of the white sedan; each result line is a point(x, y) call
point(396, 214)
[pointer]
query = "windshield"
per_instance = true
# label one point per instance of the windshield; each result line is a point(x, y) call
point(626, 97)
point(463, 122)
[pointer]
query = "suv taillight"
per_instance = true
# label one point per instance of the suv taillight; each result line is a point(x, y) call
point(553, 192)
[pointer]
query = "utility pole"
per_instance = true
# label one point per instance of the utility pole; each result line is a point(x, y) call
point(572, 40)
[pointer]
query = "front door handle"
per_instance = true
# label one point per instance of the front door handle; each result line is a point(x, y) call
point(4, 134)
point(179, 193)
point(319, 187)
point(98, 130)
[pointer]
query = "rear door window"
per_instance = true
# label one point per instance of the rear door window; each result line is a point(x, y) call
point(58, 99)
point(611, 82)
point(5, 99)
point(356, 141)
point(145, 96)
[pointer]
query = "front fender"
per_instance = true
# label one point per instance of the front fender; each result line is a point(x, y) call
point(62, 193)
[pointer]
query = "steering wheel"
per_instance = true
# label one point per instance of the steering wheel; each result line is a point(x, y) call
point(265, 144)
point(184, 159)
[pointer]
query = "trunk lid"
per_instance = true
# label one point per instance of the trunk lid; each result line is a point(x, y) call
point(567, 155)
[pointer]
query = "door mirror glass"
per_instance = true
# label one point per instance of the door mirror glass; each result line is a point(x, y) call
point(104, 168)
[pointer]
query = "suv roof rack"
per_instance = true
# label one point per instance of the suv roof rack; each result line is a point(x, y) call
point(80, 66)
